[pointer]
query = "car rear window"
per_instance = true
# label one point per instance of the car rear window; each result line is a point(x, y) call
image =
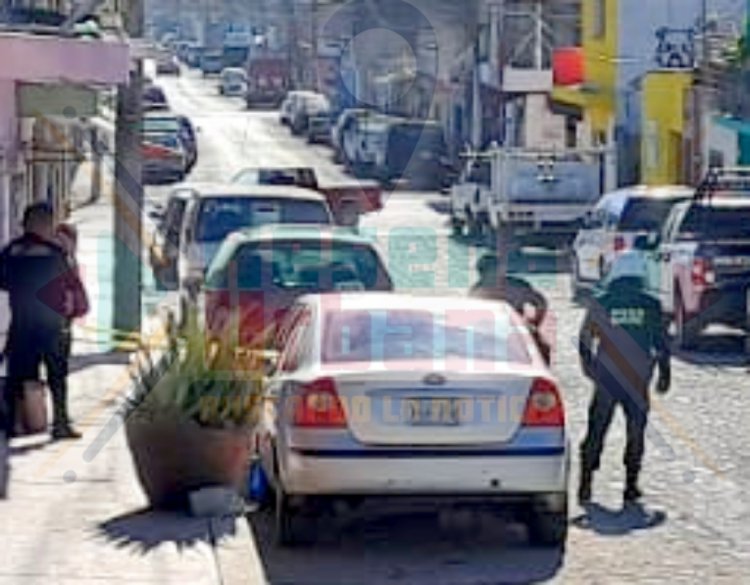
point(304, 178)
point(356, 336)
point(218, 217)
point(167, 140)
point(307, 267)
point(716, 223)
point(642, 214)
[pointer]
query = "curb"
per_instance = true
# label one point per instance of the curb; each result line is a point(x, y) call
point(237, 558)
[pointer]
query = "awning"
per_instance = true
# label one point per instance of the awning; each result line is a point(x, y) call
point(51, 59)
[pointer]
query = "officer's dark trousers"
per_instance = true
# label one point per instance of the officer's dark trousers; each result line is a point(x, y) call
point(25, 351)
point(635, 404)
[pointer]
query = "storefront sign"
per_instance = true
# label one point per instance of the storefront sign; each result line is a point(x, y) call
point(67, 101)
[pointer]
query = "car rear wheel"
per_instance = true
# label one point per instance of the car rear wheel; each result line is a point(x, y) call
point(548, 528)
point(686, 329)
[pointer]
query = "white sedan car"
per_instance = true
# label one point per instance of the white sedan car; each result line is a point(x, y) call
point(378, 395)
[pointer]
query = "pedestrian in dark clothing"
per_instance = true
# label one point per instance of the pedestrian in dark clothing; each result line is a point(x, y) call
point(496, 284)
point(622, 339)
point(40, 282)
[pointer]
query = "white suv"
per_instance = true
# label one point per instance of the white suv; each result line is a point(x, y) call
point(616, 221)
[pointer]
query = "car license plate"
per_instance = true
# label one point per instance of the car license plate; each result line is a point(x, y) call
point(441, 412)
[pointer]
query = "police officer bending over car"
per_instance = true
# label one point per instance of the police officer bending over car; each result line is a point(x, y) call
point(622, 338)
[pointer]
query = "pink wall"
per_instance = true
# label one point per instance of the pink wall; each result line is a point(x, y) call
point(52, 59)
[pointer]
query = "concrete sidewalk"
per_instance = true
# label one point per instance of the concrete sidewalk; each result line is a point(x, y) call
point(75, 512)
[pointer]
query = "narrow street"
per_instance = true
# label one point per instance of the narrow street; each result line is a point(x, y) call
point(694, 525)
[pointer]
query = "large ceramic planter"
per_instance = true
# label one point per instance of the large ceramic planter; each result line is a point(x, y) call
point(173, 456)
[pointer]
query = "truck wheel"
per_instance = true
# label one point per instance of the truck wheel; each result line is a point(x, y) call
point(687, 330)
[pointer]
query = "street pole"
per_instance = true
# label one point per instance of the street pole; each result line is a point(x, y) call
point(128, 190)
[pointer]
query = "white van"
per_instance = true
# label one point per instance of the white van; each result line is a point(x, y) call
point(615, 222)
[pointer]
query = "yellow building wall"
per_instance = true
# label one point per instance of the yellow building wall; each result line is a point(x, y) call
point(598, 97)
point(664, 94)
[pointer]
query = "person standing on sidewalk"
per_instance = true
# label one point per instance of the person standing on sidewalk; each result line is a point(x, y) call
point(67, 237)
point(35, 271)
point(622, 338)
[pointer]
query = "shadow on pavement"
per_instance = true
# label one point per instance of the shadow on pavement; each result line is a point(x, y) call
point(412, 548)
point(716, 350)
point(83, 361)
point(609, 522)
point(147, 529)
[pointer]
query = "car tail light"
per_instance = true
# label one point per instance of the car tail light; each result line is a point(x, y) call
point(620, 244)
point(317, 404)
point(544, 407)
point(702, 272)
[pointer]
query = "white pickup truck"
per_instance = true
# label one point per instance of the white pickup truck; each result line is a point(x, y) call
point(534, 196)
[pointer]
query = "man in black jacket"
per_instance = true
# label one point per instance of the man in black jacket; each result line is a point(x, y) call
point(39, 280)
point(622, 338)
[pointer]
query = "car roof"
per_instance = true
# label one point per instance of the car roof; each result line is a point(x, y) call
point(724, 201)
point(617, 199)
point(388, 301)
point(218, 190)
point(299, 233)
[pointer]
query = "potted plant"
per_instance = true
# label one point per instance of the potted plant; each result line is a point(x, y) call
point(189, 423)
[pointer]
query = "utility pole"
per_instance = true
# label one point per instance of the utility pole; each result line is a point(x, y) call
point(129, 189)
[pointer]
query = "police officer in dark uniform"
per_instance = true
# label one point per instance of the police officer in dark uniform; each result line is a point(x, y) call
point(623, 337)
point(40, 284)
point(497, 285)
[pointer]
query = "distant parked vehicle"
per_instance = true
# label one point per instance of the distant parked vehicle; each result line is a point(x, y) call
point(167, 64)
point(165, 122)
point(615, 223)
point(268, 80)
point(306, 107)
point(319, 129)
point(154, 98)
point(211, 63)
point(164, 158)
point(414, 150)
point(233, 82)
point(344, 125)
point(193, 55)
point(364, 143)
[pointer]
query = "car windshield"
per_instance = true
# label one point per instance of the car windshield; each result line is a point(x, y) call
point(716, 223)
point(220, 216)
point(307, 267)
point(160, 124)
point(642, 214)
point(390, 335)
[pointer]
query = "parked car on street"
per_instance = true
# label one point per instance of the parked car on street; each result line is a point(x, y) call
point(268, 79)
point(259, 273)
point(165, 245)
point(345, 124)
point(319, 129)
point(164, 158)
point(412, 150)
point(356, 414)
point(233, 82)
point(167, 64)
point(215, 211)
point(364, 143)
point(211, 63)
point(166, 122)
point(308, 106)
point(347, 201)
point(699, 267)
point(154, 98)
point(614, 224)
point(290, 104)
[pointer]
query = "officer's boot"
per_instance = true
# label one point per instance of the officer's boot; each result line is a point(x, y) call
point(632, 492)
point(584, 487)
